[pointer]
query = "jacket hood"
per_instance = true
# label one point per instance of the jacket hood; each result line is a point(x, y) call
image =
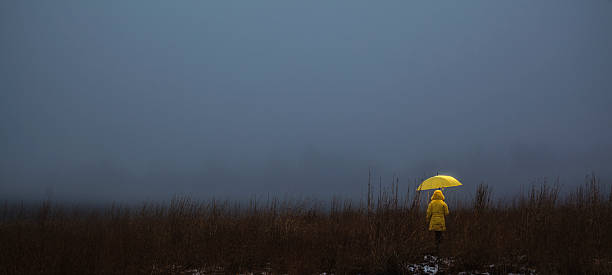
point(437, 195)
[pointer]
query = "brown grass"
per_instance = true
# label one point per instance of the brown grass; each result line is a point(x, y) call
point(537, 229)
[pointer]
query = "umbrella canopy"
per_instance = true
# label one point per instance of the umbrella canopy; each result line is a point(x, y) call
point(439, 181)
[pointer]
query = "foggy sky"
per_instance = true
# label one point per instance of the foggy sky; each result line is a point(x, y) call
point(124, 100)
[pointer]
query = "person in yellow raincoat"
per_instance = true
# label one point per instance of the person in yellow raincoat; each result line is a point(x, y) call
point(436, 210)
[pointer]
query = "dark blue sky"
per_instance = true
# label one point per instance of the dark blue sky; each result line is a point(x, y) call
point(120, 100)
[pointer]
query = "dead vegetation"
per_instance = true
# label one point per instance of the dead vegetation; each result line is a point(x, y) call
point(383, 233)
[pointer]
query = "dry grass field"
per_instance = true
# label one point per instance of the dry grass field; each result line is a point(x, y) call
point(538, 229)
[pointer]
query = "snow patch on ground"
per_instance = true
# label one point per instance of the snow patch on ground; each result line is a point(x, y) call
point(434, 265)
point(430, 265)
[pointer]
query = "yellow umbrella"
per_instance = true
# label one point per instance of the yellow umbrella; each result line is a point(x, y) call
point(439, 181)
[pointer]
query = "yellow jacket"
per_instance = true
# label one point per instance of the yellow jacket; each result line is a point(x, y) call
point(436, 211)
